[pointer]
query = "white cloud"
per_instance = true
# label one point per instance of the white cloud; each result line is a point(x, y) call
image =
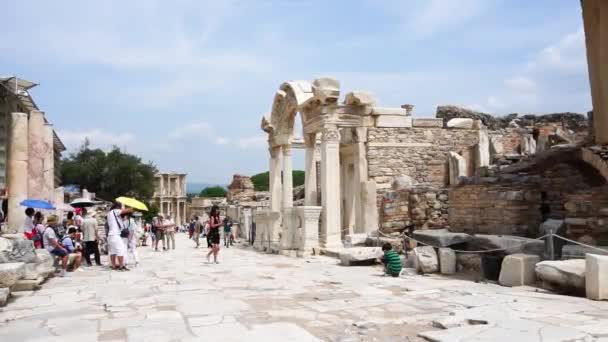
point(253, 142)
point(190, 130)
point(521, 84)
point(555, 79)
point(221, 141)
point(97, 138)
point(439, 15)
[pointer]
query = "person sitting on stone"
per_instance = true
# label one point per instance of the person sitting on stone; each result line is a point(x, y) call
point(74, 250)
point(51, 243)
point(391, 260)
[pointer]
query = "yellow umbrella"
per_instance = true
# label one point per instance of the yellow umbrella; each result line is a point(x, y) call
point(133, 203)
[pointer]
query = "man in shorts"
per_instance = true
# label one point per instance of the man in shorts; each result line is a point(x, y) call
point(51, 243)
point(74, 250)
point(160, 232)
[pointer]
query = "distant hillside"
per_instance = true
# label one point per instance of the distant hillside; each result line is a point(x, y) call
point(196, 188)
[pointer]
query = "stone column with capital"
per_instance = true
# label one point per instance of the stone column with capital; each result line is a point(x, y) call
point(49, 162)
point(17, 171)
point(310, 172)
point(36, 152)
point(330, 188)
point(287, 177)
point(275, 186)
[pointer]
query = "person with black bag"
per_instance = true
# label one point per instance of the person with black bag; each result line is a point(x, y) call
point(116, 231)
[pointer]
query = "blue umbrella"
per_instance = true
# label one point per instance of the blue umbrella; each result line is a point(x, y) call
point(37, 204)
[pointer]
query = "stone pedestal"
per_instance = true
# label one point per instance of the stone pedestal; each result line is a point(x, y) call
point(518, 270)
point(17, 171)
point(265, 238)
point(596, 276)
point(447, 261)
point(36, 152)
point(330, 183)
point(309, 216)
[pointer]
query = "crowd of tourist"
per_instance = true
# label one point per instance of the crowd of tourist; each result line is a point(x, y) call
point(76, 236)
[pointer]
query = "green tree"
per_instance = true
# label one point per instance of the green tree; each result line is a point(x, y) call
point(261, 180)
point(214, 191)
point(110, 174)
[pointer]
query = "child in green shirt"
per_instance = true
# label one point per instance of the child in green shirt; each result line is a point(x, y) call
point(391, 260)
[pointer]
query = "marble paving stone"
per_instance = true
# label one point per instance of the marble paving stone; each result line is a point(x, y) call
point(175, 296)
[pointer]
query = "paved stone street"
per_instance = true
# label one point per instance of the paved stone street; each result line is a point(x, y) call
point(176, 296)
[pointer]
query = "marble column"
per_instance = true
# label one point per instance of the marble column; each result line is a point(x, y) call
point(275, 178)
point(36, 152)
point(595, 18)
point(49, 162)
point(330, 188)
point(310, 172)
point(161, 188)
point(287, 177)
point(361, 175)
point(17, 170)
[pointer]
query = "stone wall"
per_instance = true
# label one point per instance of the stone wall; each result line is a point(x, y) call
point(418, 152)
point(422, 206)
point(517, 204)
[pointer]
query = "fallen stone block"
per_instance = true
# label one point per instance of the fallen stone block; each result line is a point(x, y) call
point(510, 244)
point(465, 123)
point(596, 276)
point(355, 240)
point(359, 255)
point(10, 273)
point(440, 237)
point(23, 249)
point(578, 251)
point(567, 276)
point(4, 294)
point(27, 285)
point(447, 261)
point(426, 259)
point(518, 270)
point(396, 243)
point(469, 261)
point(6, 248)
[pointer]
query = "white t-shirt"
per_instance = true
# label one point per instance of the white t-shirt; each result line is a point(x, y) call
point(49, 234)
point(113, 218)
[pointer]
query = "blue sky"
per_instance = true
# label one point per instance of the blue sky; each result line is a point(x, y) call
point(184, 83)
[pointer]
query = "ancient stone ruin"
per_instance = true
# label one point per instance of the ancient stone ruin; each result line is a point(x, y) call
point(240, 189)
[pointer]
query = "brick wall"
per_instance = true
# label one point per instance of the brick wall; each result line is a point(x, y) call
point(586, 214)
point(420, 153)
point(424, 207)
point(511, 204)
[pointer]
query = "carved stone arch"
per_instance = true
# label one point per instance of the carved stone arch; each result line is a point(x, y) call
point(288, 101)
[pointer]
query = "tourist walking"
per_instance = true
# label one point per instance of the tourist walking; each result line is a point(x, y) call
point(227, 231)
point(130, 240)
point(116, 246)
point(215, 222)
point(169, 226)
point(197, 229)
point(90, 236)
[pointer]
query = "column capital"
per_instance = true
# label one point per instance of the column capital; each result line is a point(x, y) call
point(274, 151)
point(330, 134)
point(287, 150)
point(310, 139)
